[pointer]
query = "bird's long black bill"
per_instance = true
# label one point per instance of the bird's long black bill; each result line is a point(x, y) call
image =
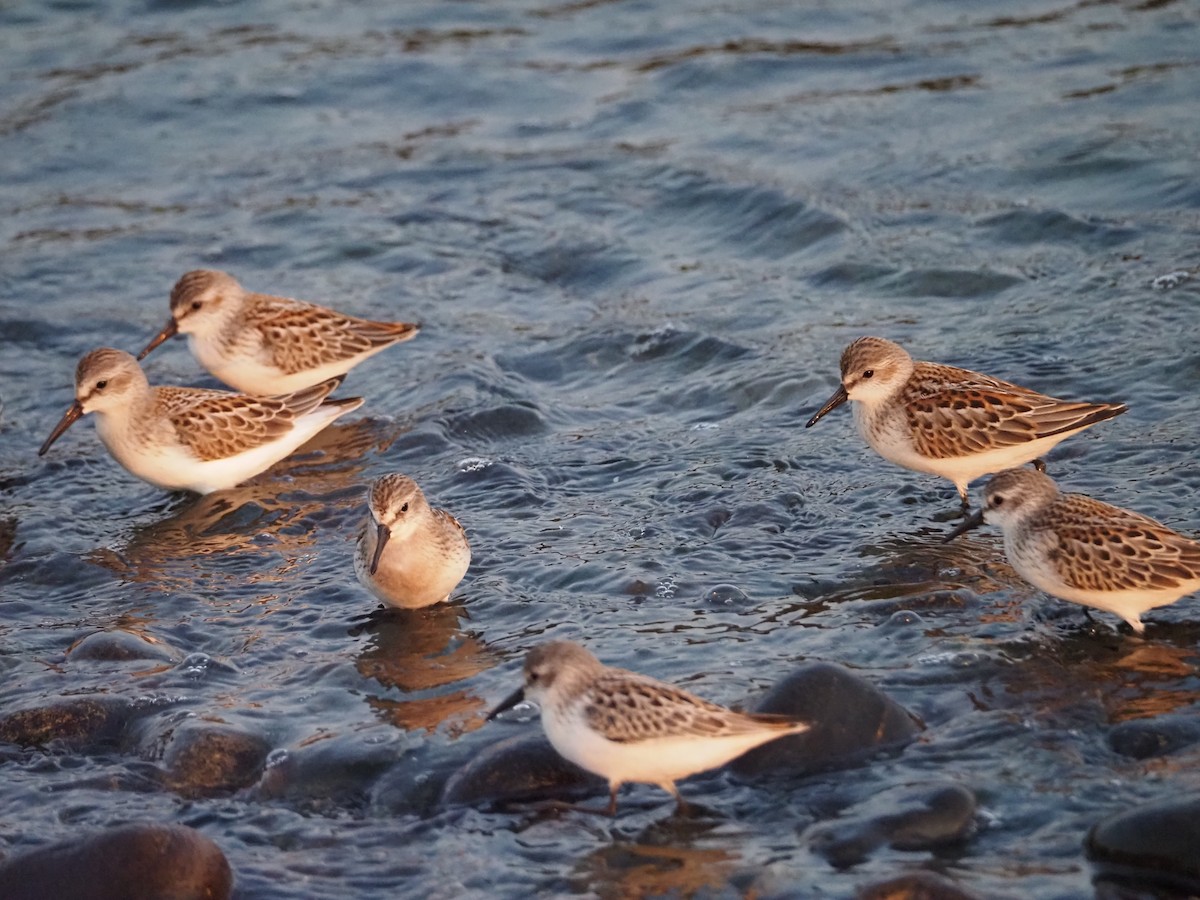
point(64, 423)
point(169, 331)
point(382, 533)
point(972, 521)
point(507, 703)
point(839, 397)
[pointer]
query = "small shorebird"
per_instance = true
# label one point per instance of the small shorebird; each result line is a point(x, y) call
point(265, 345)
point(409, 555)
point(628, 727)
point(1085, 551)
point(947, 421)
point(192, 439)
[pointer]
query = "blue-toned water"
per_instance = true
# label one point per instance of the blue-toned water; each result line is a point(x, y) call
point(637, 236)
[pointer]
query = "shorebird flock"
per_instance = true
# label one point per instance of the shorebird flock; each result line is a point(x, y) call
point(284, 358)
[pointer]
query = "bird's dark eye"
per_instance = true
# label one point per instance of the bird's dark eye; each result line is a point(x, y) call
point(101, 384)
point(195, 305)
point(404, 508)
point(870, 373)
point(997, 501)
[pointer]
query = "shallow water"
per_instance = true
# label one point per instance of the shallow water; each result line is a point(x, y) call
point(637, 237)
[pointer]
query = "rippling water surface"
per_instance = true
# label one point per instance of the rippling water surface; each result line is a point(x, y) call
point(637, 236)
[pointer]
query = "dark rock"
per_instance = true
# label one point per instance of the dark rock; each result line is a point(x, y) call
point(133, 862)
point(327, 775)
point(1144, 738)
point(525, 767)
point(916, 886)
point(120, 646)
point(1157, 841)
point(204, 759)
point(850, 719)
point(917, 817)
point(80, 722)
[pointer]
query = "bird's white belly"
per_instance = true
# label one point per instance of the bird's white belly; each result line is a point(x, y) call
point(248, 374)
point(173, 467)
point(653, 761)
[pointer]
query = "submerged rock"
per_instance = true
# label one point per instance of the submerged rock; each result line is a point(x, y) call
point(916, 817)
point(329, 774)
point(132, 862)
point(525, 767)
point(1156, 842)
point(207, 759)
point(80, 722)
point(119, 646)
point(850, 719)
point(916, 886)
point(1158, 736)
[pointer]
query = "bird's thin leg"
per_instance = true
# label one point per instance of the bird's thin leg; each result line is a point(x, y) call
point(681, 806)
point(962, 496)
point(612, 798)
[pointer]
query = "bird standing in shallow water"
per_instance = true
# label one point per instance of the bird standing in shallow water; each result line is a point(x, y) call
point(192, 439)
point(266, 345)
point(1086, 551)
point(629, 727)
point(948, 421)
point(409, 554)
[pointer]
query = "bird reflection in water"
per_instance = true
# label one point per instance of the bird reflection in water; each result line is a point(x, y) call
point(667, 860)
point(420, 652)
point(275, 516)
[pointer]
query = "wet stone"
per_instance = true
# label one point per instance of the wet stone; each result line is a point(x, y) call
point(204, 759)
point(328, 775)
point(525, 767)
point(850, 719)
point(916, 886)
point(132, 862)
point(118, 646)
point(80, 722)
point(914, 818)
point(1145, 738)
point(1153, 842)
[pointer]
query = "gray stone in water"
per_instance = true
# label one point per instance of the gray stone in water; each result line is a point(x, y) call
point(204, 759)
point(916, 886)
point(850, 719)
point(328, 774)
point(132, 862)
point(1144, 738)
point(121, 645)
point(1156, 841)
point(913, 817)
point(80, 722)
point(525, 767)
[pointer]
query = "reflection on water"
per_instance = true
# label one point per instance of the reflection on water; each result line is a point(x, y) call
point(322, 476)
point(416, 651)
point(680, 856)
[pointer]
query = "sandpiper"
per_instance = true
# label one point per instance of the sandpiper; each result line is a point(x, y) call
point(265, 345)
point(1080, 549)
point(409, 554)
point(192, 439)
point(629, 727)
point(948, 421)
